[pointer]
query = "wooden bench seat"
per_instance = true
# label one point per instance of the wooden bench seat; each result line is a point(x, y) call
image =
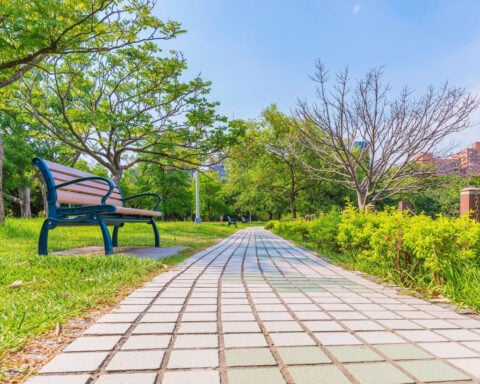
point(77, 198)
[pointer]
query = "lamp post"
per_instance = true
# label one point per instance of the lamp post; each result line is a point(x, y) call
point(198, 220)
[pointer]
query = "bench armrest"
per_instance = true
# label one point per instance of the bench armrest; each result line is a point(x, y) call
point(110, 184)
point(159, 198)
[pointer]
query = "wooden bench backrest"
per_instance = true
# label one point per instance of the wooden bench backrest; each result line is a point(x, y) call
point(89, 192)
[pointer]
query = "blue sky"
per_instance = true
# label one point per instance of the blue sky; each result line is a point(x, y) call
point(259, 52)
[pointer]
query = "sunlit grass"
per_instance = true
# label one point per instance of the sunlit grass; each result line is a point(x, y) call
point(56, 288)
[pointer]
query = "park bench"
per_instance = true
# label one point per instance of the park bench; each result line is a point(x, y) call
point(77, 198)
point(231, 221)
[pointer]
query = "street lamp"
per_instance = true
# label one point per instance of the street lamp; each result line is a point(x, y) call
point(198, 220)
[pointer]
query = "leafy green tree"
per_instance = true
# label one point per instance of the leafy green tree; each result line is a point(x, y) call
point(173, 185)
point(126, 107)
point(266, 172)
point(212, 198)
point(32, 31)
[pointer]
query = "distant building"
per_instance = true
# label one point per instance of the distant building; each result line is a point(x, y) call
point(464, 163)
point(220, 169)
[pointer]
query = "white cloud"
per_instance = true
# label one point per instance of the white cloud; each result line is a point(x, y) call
point(356, 8)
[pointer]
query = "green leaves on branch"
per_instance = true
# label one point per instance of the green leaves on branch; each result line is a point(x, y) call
point(31, 31)
point(126, 107)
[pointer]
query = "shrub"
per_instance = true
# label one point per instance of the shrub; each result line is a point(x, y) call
point(420, 252)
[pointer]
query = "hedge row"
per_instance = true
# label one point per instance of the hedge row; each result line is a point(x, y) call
point(441, 254)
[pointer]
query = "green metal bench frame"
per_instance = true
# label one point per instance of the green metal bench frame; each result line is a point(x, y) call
point(77, 198)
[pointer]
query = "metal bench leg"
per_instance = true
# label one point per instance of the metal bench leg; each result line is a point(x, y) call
point(43, 238)
point(157, 234)
point(107, 240)
point(115, 236)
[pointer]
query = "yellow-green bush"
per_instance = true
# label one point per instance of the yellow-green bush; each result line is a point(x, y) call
point(441, 254)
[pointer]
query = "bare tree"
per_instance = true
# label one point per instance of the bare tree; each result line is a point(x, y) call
point(367, 142)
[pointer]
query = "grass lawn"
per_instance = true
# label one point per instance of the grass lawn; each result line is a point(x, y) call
point(56, 288)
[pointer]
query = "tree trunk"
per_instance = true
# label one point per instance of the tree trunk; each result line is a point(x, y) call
point(116, 175)
point(293, 203)
point(362, 200)
point(43, 189)
point(293, 193)
point(2, 156)
point(25, 209)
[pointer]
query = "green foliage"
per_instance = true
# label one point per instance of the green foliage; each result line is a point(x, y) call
point(33, 30)
point(439, 254)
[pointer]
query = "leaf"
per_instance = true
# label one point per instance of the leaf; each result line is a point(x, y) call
point(15, 284)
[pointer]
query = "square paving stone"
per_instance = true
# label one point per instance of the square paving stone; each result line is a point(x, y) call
point(379, 315)
point(432, 371)
point(126, 378)
point(459, 334)
point(159, 318)
point(173, 309)
point(472, 366)
point(199, 316)
point(303, 355)
point(363, 325)
point(153, 328)
point(147, 342)
point(191, 377)
point(403, 352)
point(291, 339)
point(399, 324)
point(380, 337)
point(195, 358)
point(249, 357)
point(312, 315)
point(472, 344)
point(196, 341)
point(135, 360)
point(238, 340)
point(435, 324)
point(347, 315)
point(236, 308)
point(198, 327)
point(324, 326)
point(75, 362)
point(108, 329)
point(94, 343)
point(241, 326)
point(70, 379)
point(418, 335)
point(448, 350)
point(265, 316)
point(255, 376)
point(130, 308)
point(118, 318)
point(337, 338)
point(378, 373)
point(136, 301)
point(320, 374)
point(355, 354)
point(200, 308)
point(282, 326)
point(243, 316)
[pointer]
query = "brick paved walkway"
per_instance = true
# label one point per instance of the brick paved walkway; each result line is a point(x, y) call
point(256, 309)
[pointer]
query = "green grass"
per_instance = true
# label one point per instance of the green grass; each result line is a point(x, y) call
point(62, 287)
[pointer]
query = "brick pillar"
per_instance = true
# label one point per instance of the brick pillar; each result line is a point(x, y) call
point(470, 201)
point(405, 206)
